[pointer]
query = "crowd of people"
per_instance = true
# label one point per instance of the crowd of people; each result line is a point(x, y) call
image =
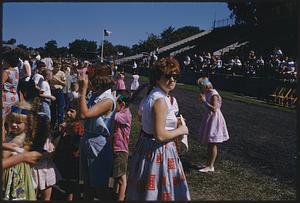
point(66, 121)
point(42, 122)
point(245, 62)
point(241, 61)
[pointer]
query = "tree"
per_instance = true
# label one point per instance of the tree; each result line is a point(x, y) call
point(41, 51)
point(123, 49)
point(166, 35)
point(184, 32)
point(135, 48)
point(51, 48)
point(170, 35)
point(11, 41)
point(22, 46)
point(108, 49)
point(63, 51)
point(254, 12)
point(83, 49)
point(152, 43)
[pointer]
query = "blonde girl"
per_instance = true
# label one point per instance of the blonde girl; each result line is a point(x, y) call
point(213, 128)
point(17, 180)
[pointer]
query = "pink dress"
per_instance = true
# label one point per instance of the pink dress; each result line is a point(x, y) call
point(213, 126)
point(120, 82)
point(44, 172)
point(122, 130)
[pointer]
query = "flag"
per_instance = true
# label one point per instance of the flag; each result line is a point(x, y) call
point(107, 33)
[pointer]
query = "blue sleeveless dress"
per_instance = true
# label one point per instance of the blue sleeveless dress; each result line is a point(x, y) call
point(96, 152)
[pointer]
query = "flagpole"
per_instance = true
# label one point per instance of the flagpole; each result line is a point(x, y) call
point(102, 44)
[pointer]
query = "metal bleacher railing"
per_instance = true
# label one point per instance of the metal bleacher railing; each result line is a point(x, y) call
point(223, 23)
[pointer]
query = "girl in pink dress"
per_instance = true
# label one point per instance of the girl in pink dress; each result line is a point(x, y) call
point(120, 142)
point(44, 172)
point(120, 81)
point(213, 128)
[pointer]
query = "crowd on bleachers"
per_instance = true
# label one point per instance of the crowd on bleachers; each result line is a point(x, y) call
point(244, 62)
point(240, 61)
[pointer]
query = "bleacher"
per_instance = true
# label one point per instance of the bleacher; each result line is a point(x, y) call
point(238, 40)
point(183, 42)
point(167, 48)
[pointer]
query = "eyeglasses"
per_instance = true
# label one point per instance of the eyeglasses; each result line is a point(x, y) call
point(170, 75)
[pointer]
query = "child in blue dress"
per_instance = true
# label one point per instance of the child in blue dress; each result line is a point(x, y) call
point(98, 114)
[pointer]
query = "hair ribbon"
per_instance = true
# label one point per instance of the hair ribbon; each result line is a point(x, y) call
point(15, 109)
point(206, 82)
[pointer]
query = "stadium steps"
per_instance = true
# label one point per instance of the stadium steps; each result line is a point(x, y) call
point(182, 50)
point(166, 48)
point(230, 47)
point(176, 44)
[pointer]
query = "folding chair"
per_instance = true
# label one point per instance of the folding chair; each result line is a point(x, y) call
point(292, 99)
point(275, 95)
point(282, 98)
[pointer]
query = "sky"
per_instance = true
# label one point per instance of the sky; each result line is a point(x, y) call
point(34, 24)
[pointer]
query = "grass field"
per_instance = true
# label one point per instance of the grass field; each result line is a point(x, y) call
point(257, 163)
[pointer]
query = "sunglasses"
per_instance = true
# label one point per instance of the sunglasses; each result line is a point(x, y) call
point(170, 75)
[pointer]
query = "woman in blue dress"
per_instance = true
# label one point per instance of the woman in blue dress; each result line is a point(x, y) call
point(98, 115)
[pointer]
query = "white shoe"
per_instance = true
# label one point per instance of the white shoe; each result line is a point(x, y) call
point(207, 169)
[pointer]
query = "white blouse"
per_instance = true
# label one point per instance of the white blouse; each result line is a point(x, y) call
point(147, 117)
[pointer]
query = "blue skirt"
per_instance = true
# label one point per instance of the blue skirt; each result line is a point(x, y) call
point(156, 172)
point(96, 161)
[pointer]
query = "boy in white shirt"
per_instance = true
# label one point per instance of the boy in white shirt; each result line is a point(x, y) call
point(38, 78)
point(45, 93)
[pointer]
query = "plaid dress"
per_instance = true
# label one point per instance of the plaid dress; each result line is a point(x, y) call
point(155, 171)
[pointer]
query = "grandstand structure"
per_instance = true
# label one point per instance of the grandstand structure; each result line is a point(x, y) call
point(222, 37)
point(165, 49)
point(226, 39)
point(229, 48)
point(183, 42)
